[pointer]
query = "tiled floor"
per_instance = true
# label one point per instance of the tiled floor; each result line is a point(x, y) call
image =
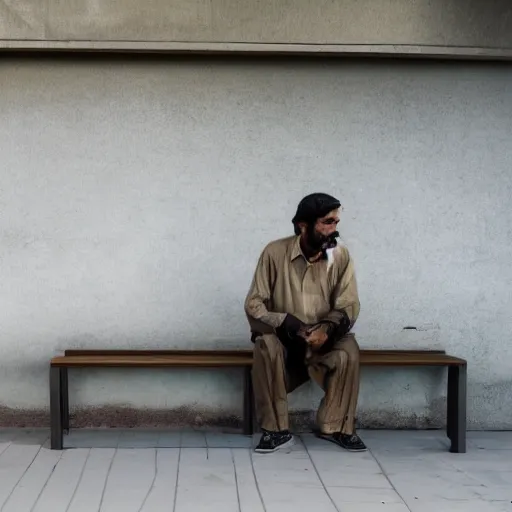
point(157, 470)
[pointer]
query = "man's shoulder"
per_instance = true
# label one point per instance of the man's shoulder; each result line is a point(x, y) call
point(341, 254)
point(280, 246)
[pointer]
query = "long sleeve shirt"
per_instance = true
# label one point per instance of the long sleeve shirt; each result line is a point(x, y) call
point(285, 282)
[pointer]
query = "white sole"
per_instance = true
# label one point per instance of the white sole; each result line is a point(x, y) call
point(288, 444)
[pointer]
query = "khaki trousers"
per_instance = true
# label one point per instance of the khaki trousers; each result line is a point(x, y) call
point(336, 372)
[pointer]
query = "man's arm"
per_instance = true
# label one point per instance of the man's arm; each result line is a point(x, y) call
point(260, 293)
point(345, 303)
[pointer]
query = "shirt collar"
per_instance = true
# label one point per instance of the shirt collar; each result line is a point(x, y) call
point(296, 250)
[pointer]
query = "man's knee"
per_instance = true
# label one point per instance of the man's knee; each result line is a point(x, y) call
point(269, 344)
point(349, 349)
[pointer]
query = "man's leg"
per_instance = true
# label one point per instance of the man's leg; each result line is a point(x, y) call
point(269, 381)
point(270, 394)
point(337, 372)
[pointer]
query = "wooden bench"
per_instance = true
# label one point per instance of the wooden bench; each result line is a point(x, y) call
point(59, 396)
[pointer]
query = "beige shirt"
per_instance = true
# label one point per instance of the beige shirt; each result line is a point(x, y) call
point(285, 282)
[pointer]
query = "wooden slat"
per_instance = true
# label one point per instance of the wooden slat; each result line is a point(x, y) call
point(215, 353)
point(157, 352)
point(370, 351)
point(153, 361)
point(410, 360)
point(202, 360)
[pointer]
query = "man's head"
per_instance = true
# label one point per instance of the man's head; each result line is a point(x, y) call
point(316, 220)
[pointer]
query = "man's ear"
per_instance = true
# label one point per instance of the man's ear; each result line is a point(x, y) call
point(303, 227)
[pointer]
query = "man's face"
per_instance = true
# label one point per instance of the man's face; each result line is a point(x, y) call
point(322, 235)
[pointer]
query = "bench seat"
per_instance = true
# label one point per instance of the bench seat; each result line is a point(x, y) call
point(111, 358)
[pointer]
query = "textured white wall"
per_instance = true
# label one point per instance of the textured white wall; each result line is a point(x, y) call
point(136, 197)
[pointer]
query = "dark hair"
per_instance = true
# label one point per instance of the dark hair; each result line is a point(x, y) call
point(313, 207)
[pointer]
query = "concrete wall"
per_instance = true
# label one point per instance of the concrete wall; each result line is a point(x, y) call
point(469, 27)
point(136, 197)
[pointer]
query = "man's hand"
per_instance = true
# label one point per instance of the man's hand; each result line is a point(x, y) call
point(292, 324)
point(316, 335)
point(290, 328)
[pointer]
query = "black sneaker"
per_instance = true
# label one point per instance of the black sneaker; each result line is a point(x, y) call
point(352, 443)
point(273, 441)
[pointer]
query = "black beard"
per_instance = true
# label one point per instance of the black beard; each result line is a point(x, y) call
point(330, 242)
point(319, 242)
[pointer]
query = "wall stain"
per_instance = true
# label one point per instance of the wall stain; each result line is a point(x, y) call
point(129, 417)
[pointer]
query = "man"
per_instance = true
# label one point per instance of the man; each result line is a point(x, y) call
point(301, 305)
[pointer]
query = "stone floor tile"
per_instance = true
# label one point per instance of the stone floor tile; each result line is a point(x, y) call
point(491, 440)
point(14, 463)
point(491, 477)
point(162, 493)
point(60, 487)
point(428, 492)
point(90, 488)
point(219, 440)
point(169, 439)
point(191, 496)
point(248, 491)
point(25, 494)
point(32, 436)
point(490, 493)
point(342, 495)
point(454, 506)
point(191, 439)
point(213, 471)
point(134, 439)
point(348, 478)
point(284, 469)
point(129, 480)
point(375, 507)
point(206, 468)
point(288, 496)
point(92, 438)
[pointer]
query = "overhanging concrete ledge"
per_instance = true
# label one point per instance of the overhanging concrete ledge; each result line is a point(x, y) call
point(260, 48)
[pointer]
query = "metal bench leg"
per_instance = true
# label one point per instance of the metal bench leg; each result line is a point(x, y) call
point(451, 408)
point(56, 441)
point(64, 398)
point(456, 408)
point(255, 427)
point(248, 402)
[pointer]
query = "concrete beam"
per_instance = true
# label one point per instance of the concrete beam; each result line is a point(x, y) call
point(459, 28)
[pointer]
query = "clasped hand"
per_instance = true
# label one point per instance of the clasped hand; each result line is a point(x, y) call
point(315, 335)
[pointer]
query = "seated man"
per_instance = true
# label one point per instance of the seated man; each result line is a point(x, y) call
point(302, 303)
